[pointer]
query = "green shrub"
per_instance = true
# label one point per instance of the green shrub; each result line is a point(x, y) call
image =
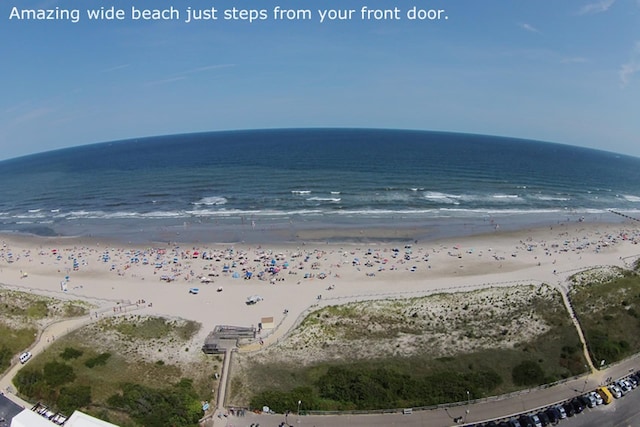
point(176, 406)
point(57, 373)
point(71, 353)
point(99, 360)
point(528, 373)
point(5, 358)
point(30, 382)
point(74, 397)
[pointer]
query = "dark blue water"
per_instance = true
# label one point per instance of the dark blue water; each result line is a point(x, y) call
point(215, 183)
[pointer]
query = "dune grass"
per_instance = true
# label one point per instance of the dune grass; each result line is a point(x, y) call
point(483, 350)
point(608, 308)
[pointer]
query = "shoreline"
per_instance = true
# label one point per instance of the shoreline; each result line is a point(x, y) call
point(269, 231)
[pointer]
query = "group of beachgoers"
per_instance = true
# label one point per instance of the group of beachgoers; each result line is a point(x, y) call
point(288, 263)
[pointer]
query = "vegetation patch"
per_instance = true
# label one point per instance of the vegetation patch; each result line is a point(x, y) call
point(177, 405)
point(71, 353)
point(528, 373)
point(414, 352)
point(25, 306)
point(607, 303)
point(150, 328)
point(99, 360)
point(126, 381)
point(23, 314)
point(14, 340)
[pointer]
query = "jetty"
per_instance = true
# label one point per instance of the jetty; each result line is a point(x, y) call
point(624, 215)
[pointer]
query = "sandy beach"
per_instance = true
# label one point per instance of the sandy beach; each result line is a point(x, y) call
point(290, 279)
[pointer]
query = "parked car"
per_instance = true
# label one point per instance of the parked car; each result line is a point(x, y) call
point(587, 401)
point(577, 405)
point(561, 411)
point(623, 387)
point(615, 391)
point(514, 423)
point(605, 394)
point(598, 399)
point(626, 384)
point(526, 421)
point(24, 357)
point(554, 415)
point(569, 409)
point(544, 418)
point(536, 420)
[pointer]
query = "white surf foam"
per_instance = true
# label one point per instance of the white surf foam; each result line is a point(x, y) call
point(211, 201)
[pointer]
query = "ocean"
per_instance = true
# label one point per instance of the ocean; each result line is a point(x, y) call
point(266, 185)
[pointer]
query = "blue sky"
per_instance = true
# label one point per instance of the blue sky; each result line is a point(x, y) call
point(562, 71)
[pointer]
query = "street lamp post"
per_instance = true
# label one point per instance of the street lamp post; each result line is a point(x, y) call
point(586, 380)
point(466, 412)
point(299, 402)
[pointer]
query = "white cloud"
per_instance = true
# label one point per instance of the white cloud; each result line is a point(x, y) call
point(529, 27)
point(627, 71)
point(631, 67)
point(596, 7)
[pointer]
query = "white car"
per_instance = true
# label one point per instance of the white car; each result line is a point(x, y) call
point(615, 390)
point(24, 357)
point(597, 397)
point(623, 387)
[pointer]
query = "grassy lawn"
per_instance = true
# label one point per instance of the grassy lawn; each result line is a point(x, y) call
point(608, 307)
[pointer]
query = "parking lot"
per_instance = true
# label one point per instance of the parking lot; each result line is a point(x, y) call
point(580, 406)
